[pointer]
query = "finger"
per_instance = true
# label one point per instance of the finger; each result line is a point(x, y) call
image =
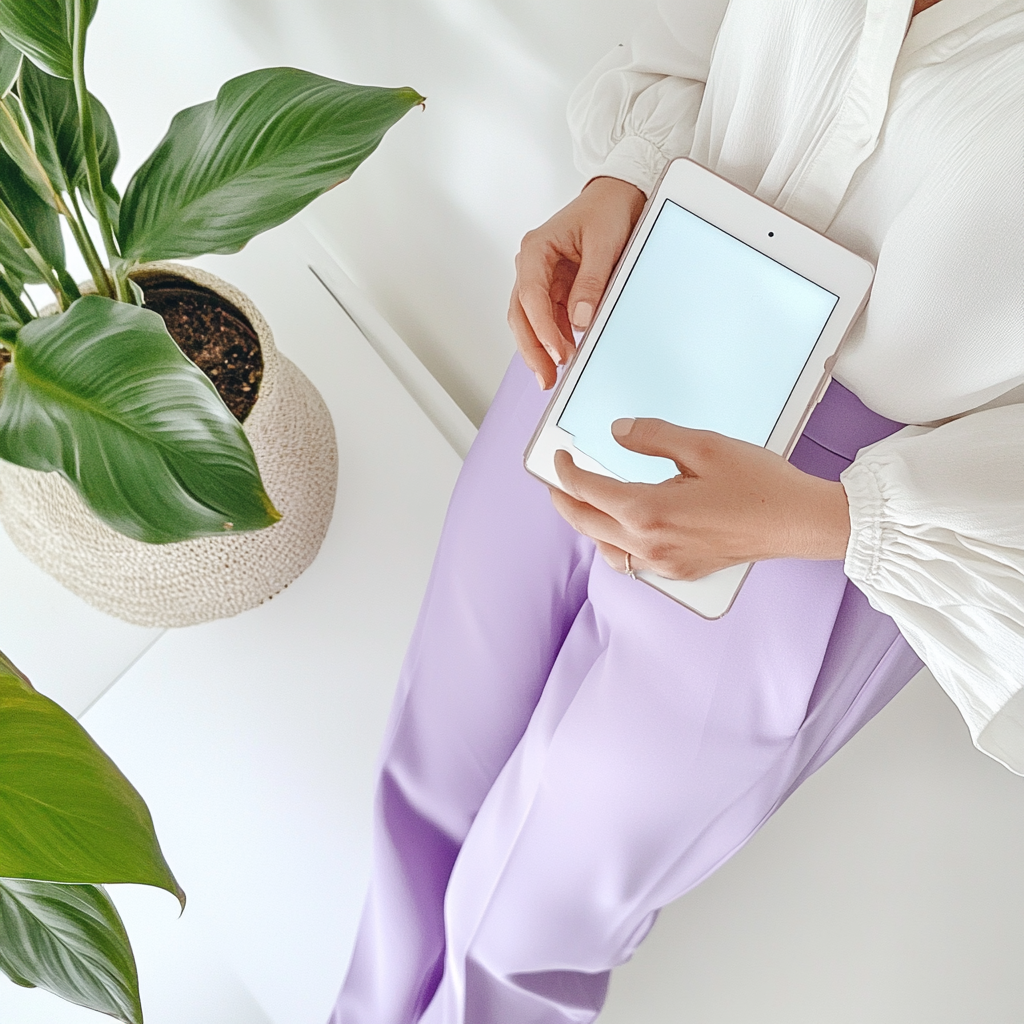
point(533, 352)
point(689, 449)
point(611, 496)
point(599, 255)
point(616, 558)
point(589, 521)
point(534, 286)
point(561, 284)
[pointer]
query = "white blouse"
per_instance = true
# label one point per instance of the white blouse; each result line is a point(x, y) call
point(908, 148)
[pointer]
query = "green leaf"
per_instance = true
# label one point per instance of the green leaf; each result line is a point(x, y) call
point(42, 30)
point(13, 102)
point(9, 328)
point(103, 395)
point(67, 814)
point(137, 293)
point(52, 111)
point(268, 145)
point(15, 263)
point(40, 221)
point(10, 65)
point(15, 136)
point(69, 940)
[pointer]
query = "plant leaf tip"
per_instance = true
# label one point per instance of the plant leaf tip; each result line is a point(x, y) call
point(415, 99)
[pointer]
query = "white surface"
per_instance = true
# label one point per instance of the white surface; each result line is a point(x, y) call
point(68, 649)
point(441, 409)
point(253, 739)
point(886, 891)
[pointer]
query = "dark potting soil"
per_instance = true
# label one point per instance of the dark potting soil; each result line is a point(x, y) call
point(214, 334)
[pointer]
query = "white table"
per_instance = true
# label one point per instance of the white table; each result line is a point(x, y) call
point(253, 739)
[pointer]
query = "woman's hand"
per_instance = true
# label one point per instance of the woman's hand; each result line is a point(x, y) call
point(562, 269)
point(732, 502)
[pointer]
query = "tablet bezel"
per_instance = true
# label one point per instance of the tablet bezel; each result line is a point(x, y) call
point(775, 235)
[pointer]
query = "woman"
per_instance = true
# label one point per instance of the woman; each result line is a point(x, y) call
point(569, 749)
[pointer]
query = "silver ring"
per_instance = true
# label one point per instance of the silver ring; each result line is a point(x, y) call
point(629, 566)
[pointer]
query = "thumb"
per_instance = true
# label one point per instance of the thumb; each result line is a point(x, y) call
point(596, 266)
point(685, 447)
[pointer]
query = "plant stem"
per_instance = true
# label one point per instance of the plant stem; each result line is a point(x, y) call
point(92, 160)
point(86, 247)
point(20, 310)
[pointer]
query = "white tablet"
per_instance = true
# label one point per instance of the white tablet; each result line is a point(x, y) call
point(723, 314)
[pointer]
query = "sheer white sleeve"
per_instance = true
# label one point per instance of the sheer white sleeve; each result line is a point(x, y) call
point(937, 542)
point(636, 109)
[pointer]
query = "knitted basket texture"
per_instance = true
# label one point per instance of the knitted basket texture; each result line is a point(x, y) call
point(292, 435)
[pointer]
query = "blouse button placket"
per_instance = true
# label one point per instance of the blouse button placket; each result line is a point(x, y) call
point(817, 186)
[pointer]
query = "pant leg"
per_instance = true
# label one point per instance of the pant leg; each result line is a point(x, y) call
point(656, 744)
point(508, 580)
point(660, 745)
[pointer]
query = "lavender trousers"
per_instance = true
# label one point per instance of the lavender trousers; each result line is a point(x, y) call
point(570, 750)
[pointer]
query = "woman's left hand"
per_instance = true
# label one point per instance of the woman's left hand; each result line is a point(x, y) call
point(731, 502)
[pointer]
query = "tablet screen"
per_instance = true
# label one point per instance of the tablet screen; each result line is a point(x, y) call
point(707, 332)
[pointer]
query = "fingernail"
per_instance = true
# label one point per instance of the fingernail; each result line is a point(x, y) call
point(582, 314)
point(540, 380)
point(622, 428)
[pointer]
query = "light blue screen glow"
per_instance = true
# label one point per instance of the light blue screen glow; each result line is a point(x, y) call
point(707, 333)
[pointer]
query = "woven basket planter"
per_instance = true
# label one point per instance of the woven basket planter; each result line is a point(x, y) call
point(194, 581)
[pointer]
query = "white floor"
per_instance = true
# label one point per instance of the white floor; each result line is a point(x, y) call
point(887, 891)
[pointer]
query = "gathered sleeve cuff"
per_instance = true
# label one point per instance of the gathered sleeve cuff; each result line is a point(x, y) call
point(637, 108)
point(937, 542)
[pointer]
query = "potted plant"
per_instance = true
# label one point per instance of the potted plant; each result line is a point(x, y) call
point(69, 822)
point(123, 472)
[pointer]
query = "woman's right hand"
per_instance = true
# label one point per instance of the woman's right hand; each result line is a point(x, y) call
point(562, 269)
